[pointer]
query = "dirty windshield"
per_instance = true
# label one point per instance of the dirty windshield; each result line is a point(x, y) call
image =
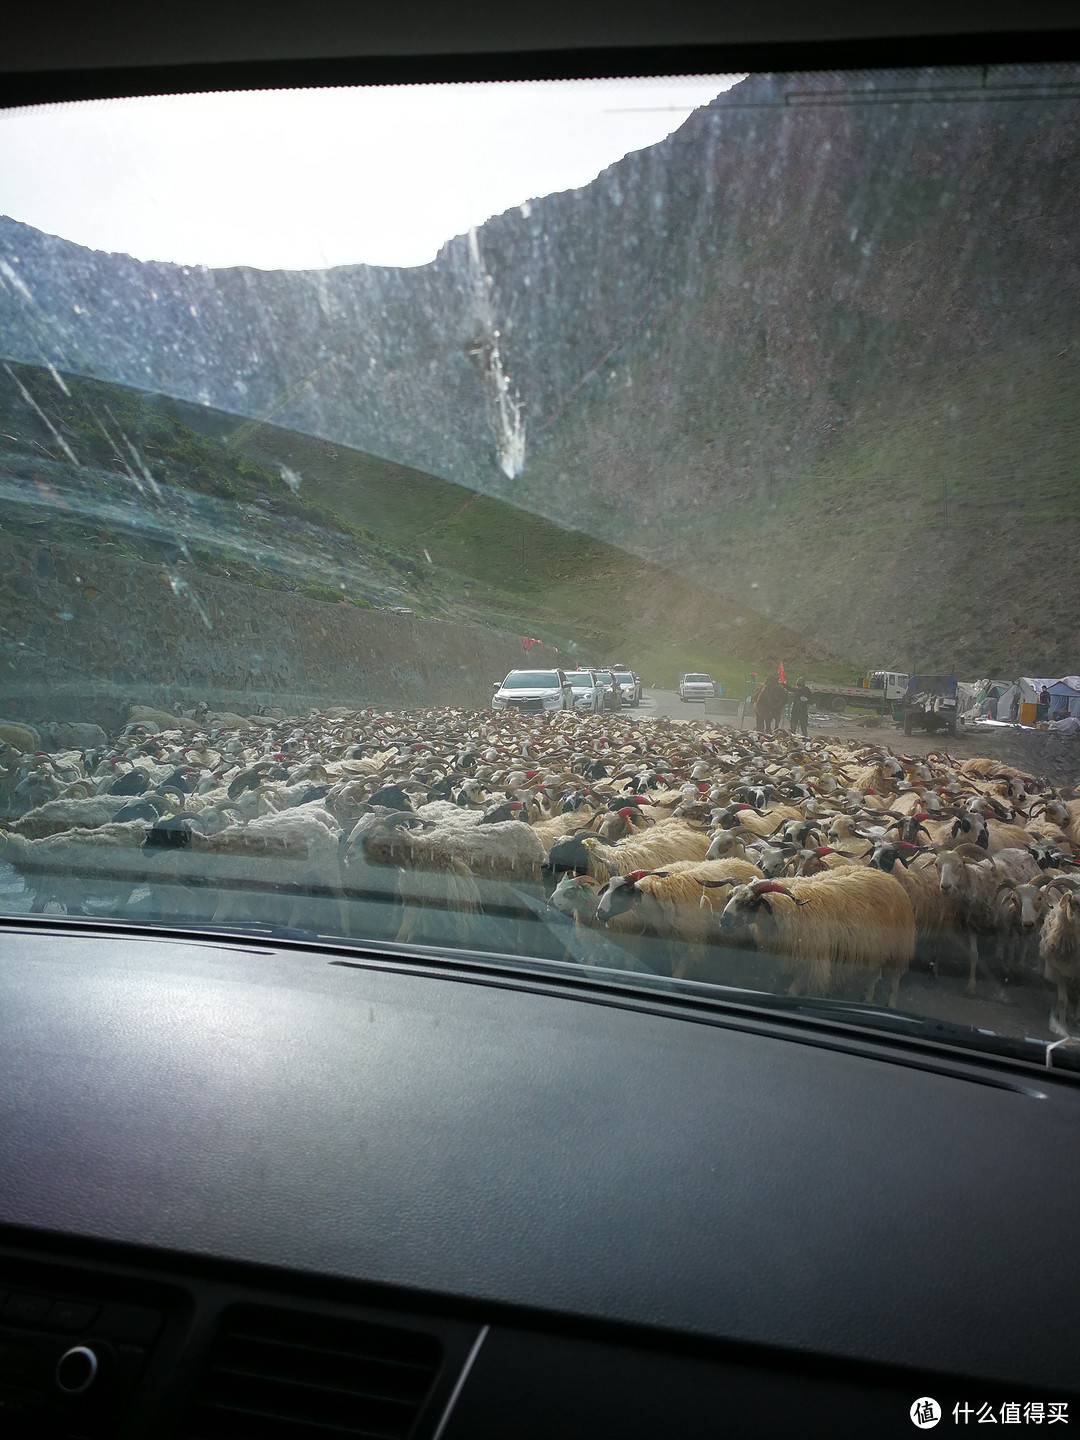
point(324, 412)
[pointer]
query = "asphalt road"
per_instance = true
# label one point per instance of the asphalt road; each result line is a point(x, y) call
point(667, 702)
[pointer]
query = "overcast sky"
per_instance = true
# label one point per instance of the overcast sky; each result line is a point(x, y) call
point(309, 178)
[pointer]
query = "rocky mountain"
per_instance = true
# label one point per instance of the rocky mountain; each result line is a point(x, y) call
point(819, 342)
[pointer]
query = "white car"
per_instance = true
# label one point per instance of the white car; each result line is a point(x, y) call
point(629, 684)
point(610, 692)
point(533, 691)
point(696, 687)
point(587, 694)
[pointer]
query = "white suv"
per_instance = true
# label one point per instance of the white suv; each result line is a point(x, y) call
point(610, 693)
point(696, 687)
point(533, 691)
point(629, 684)
point(587, 693)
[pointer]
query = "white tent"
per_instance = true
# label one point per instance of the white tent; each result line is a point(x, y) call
point(977, 699)
point(1024, 691)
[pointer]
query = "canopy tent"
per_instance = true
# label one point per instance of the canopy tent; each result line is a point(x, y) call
point(1065, 695)
point(1025, 691)
point(979, 699)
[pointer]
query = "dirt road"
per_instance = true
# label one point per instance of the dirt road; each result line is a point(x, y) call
point(1036, 752)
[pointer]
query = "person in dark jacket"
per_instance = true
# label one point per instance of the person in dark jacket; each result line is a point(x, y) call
point(800, 707)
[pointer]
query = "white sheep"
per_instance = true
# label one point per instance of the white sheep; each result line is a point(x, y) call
point(858, 916)
point(78, 865)
point(1059, 950)
point(968, 874)
point(664, 843)
point(278, 868)
point(680, 904)
point(56, 816)
point(449, 864)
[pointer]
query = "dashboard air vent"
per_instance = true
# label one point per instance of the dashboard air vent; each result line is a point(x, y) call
point(287, 1375)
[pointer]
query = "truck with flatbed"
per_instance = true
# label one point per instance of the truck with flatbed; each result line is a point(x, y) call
point(880, 690)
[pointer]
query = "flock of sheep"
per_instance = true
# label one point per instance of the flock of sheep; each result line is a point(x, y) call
point(686, 849)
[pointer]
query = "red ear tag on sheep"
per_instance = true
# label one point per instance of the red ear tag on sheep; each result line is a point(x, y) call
point(824, 850)
point(703, 787)
point(626, 812)
point(636, 875)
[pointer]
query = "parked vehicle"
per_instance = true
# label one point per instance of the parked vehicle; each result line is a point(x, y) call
point(587, 693)
point(629, 683)
point(695, 686)
point(879, 690)
point(530, 691)
point(930, 704)
point(610, 690)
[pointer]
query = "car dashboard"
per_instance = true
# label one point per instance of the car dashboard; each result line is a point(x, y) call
point(275, 1189)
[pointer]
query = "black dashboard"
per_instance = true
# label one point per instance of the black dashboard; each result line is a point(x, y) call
point(572, 1209)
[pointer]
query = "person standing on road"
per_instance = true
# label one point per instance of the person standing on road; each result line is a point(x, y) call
point(800, 707)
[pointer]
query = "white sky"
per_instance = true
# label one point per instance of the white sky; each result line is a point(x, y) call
point(309, 178)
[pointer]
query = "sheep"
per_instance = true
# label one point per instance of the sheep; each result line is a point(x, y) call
point(750, 822)
point(726, 844)
point(1021, 911)
point(981, 767)
point(667, 841)
point(965, 828)
point(22, 738)
point(576, 896)
point(858, 916)
point(1072, 826)
point(1001, 836)
point(75, 866)
point(56, 816)
point(822, 857)
point(450, 864)
point(275, 869)
point(673, 903)
point(1059, 951)
point(507, 850)
point(1017, 866)
point(970, 876)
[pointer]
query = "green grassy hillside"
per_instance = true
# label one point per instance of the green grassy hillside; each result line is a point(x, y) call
point(84, 462)
point(496, 563)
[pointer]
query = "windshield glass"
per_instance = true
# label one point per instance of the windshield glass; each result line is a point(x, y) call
point(580, 681)
point(777, 372)
point(531, 680)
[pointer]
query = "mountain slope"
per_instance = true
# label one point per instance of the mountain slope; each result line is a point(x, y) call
point(779, 350)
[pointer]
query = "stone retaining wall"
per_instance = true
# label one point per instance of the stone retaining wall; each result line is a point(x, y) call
point(86, 633)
